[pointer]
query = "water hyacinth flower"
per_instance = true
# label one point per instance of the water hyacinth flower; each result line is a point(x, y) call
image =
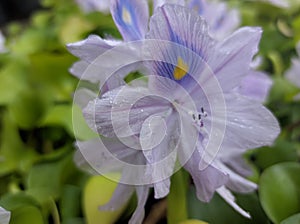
point(4, 216)
point(94, 5)
point(293, 73)
point(190, 114)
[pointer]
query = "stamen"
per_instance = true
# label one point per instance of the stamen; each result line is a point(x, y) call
point(198, 117)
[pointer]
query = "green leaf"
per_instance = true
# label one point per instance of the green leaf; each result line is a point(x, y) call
point(14, 155)
point(28, 108)
point(13, 80)
point(70, 202)
point(74, 28)
point(193, 221)
point(74, 221)
point(218, 211)
point(282, 90)
point(282, 151)
point(70, 117)
point(26, 215)
point(279, 191)
point(13, 201)
point(45, 180)
point(294, 219)
point(31, 41)
point(49, 71)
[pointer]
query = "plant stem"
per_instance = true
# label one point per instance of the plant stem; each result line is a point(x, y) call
point(177, 205)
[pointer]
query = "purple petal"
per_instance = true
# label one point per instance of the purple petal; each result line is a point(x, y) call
point(122, 111)
point(106, 63)
point(229, 198)
point(96, 64)
point(90, 48)
point(182, 26)
point(236, 162)
point(82, 96)
point(178, 53)
point(103, 155)
point(191, 156)
point(159, 138)
point(78, 69)
point(256, 86)
point(221, 20)
point(236, 182)
point(159, 3)
point(121, 196)
point(139, 214)
point(231, 58)
point(207, 181)
point(131, 18)
point(249, 124)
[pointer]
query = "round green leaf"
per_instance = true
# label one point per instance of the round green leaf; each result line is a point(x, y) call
point(279, 191)
point(26, 215)
point(295, 219)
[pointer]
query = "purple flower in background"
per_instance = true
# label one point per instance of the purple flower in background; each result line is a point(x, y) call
point(189, 114)
point(4, 216)
point(221, 20)
point(94, 5)
point(279, 3)
point(293, 73)
point(2, 43)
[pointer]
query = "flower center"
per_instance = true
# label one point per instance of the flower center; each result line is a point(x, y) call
point(198, 117)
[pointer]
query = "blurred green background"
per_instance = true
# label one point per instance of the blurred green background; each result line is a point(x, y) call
point(39, 183)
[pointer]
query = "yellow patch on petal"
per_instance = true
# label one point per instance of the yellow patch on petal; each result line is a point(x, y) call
point(181, 69)
point(126, 16)
point(196, 8)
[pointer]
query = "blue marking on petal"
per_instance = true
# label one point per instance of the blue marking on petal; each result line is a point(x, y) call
point(197, 5)
point(126, 18)
point(169, 70)
point(219, 22)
